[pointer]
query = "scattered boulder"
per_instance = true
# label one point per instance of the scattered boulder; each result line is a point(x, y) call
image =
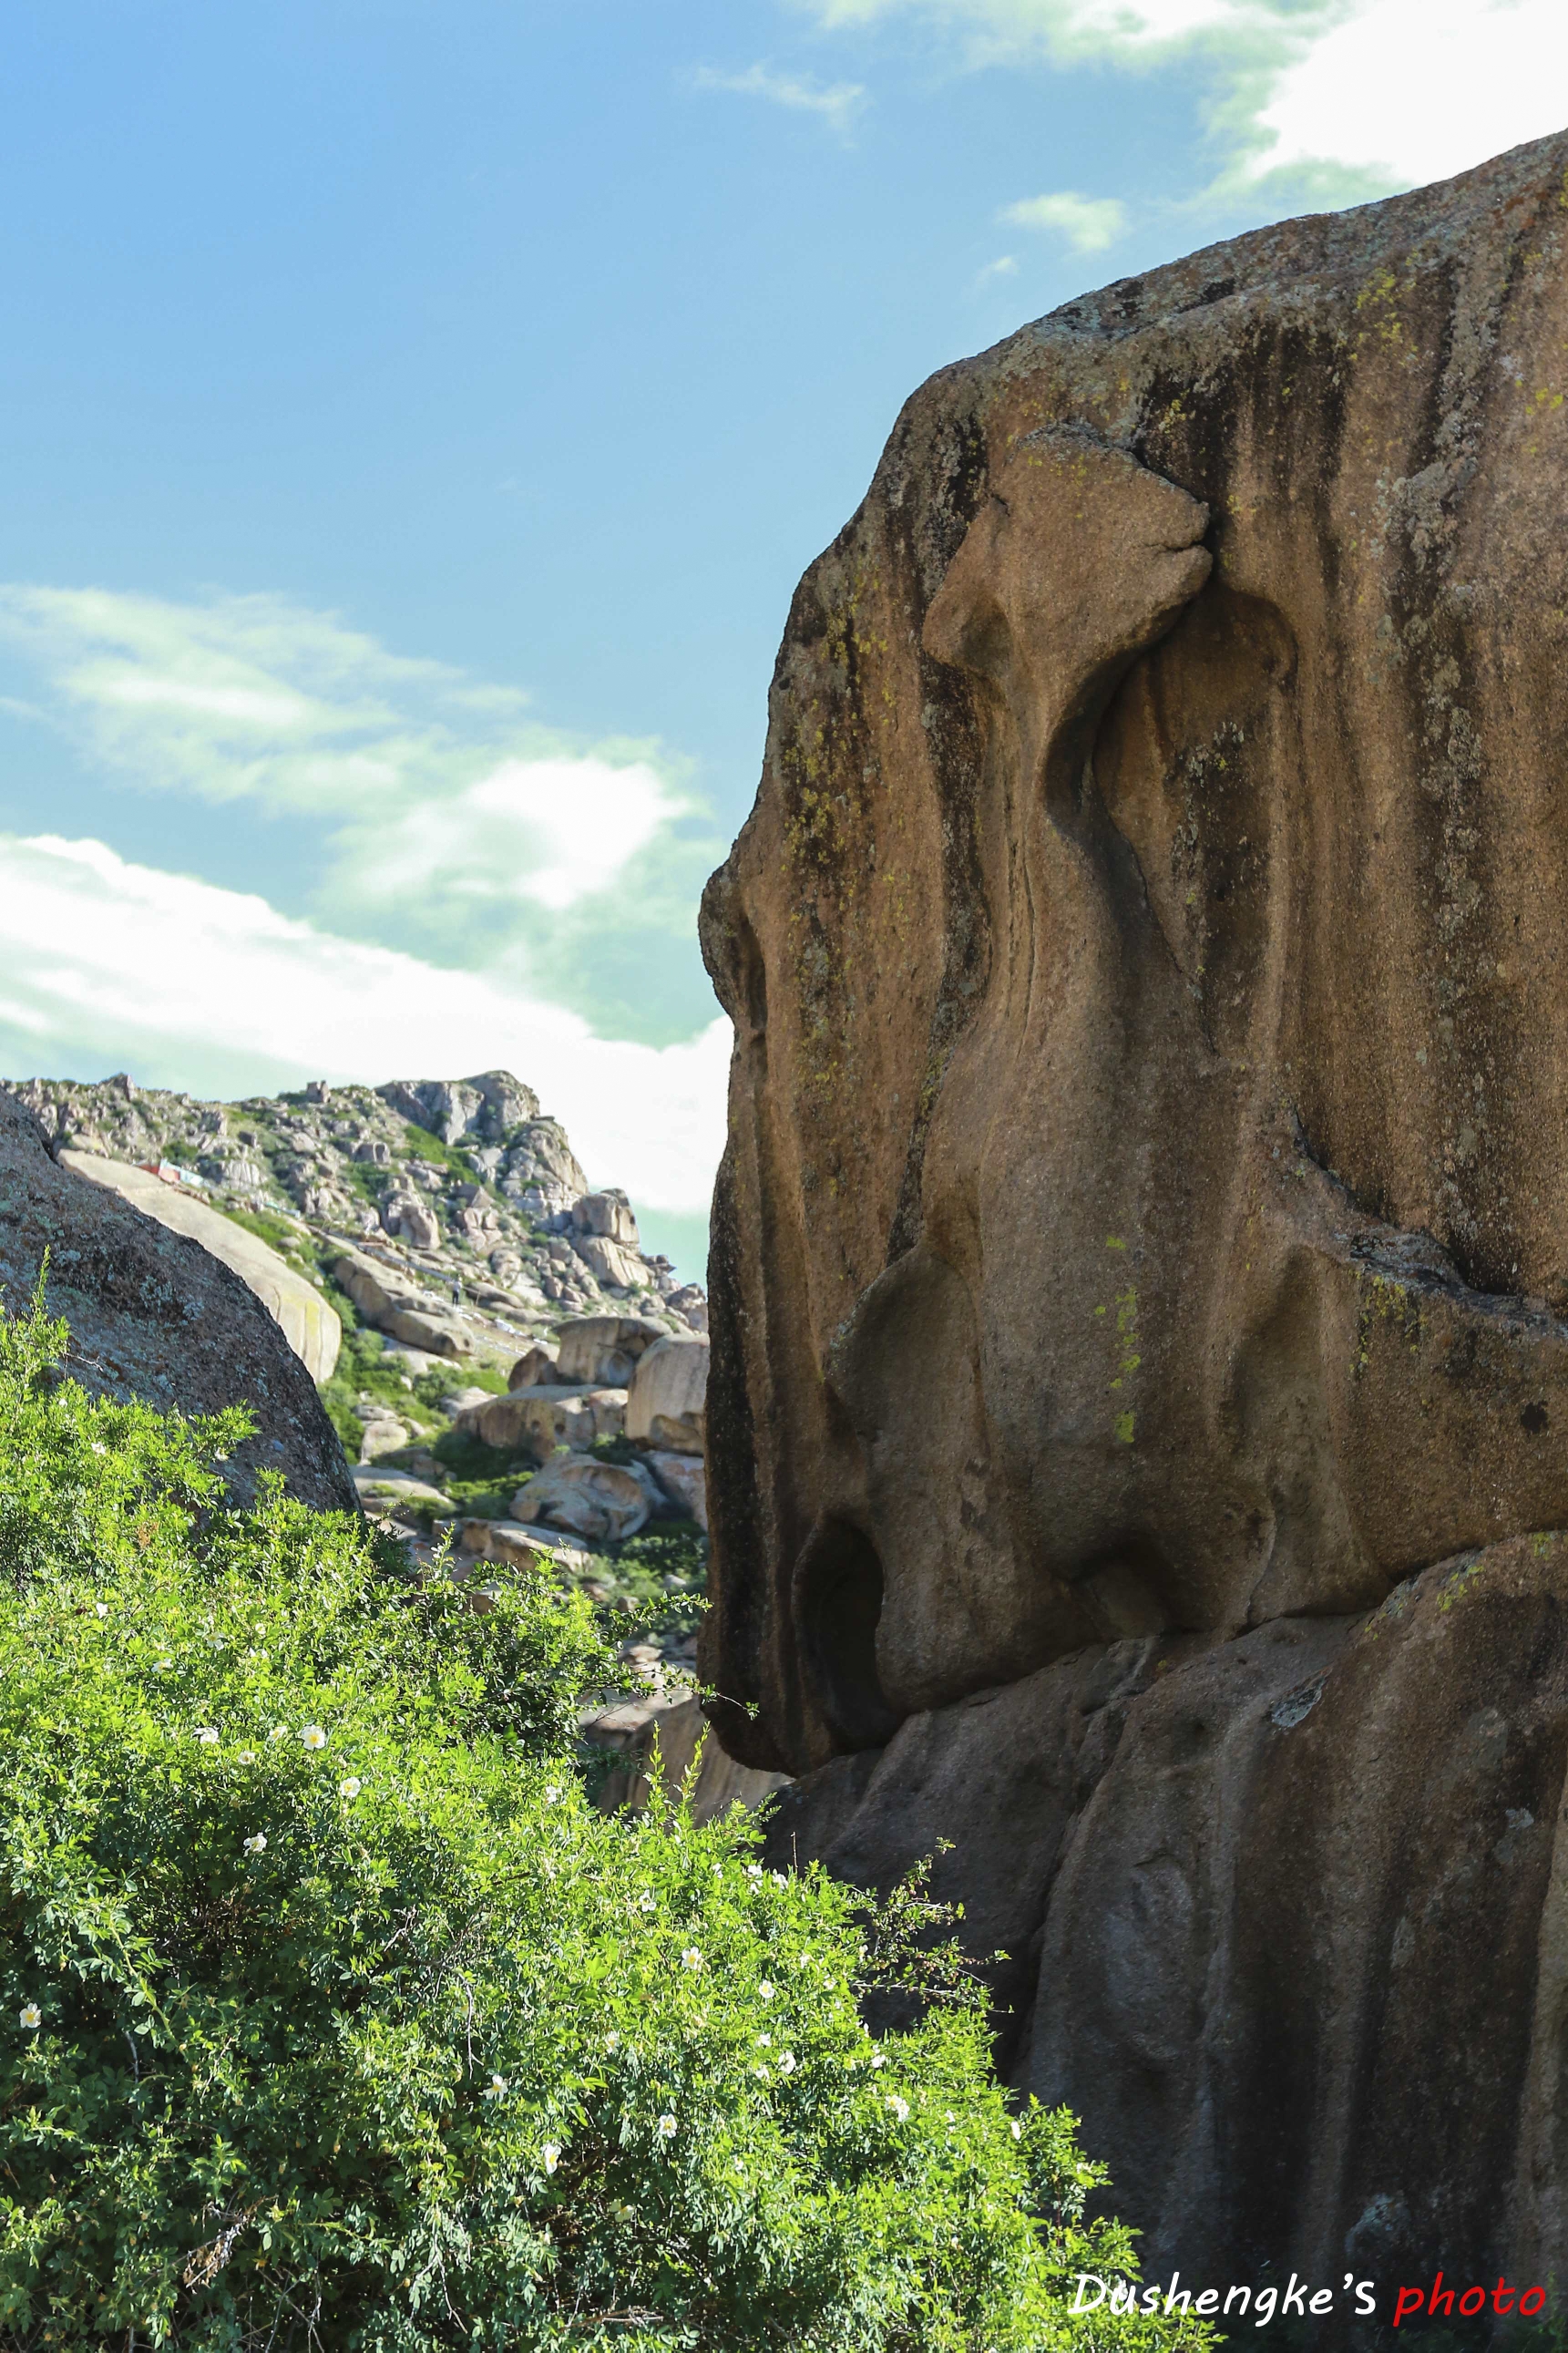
point(605, 1349)
point(382, 1491)
point(666, 1399)
point(384, 1434)
point(612, 1263)
point(155, 1314)
point(535, 1368)
point(435, 1334)
point(514, 1542)
point(608, 1214)
point(409, 1316)
point(457, 1401)
point(412, 1220)
point(689, 1301)
point(685, 1481)
point(539, 1420)
point(605, 1502)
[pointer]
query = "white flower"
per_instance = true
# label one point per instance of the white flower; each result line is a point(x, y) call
point(779, 1879)
point(552, 2156)
point(1017, 2129)
point(691, 1958)
point(553, 1793)
point(667, 2128)
point(31, 2018)
point(162, 1666)
point(767, 1990)
point(208, 1735)
point(313, 1736)
point(351, 1788)
point(878, 2058)
point(260, 1626)
point(900, 2107)
point(257, 1844)
point(645, 1903)
point(248, 1756)
point(760, 2072)
point(787, 2064)
point(101, 1607)
point(612, 2041)
point(764, 2041)
point(99, 1447)
point(497, 2088)
point(753, 1871)
point(278, 1732)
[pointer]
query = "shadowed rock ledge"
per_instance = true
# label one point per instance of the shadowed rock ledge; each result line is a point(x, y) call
point(1140, 1255)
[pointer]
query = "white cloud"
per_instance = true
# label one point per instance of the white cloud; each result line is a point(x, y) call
point(994, 29)
point(837, 102)
point(126, 964)
point(1416, 90)
point(440, 785)
point(1089, 224)
point(549, 831)
point(1395, 91)
point(1005, 266)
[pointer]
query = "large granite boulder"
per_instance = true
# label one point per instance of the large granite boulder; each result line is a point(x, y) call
point(154, 1314)
point(1144, 1219)
point(306, 1320)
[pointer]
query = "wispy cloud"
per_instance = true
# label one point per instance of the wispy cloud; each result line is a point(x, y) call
point(1359, 94)
point(1005, 266)
point(105, 963)
point(837, 103)
point(1089, 224)
point(453, 814)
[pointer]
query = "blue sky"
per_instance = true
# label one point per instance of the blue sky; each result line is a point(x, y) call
point(418, 412)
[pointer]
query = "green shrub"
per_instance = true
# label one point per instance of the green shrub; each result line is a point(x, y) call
point(334, 2017)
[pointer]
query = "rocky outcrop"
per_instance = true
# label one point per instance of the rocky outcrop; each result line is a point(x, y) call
point(305, 1319)
point(154, 1314)
point(1143, 1221)
point(467, 1185)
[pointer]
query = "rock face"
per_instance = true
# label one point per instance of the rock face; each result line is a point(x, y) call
point(153, 1314)
point(1144, 1221)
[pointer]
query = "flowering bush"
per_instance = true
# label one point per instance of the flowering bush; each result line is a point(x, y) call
point(334, 2016)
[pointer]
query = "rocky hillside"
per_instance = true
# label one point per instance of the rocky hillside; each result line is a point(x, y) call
point(482, 1192)
point(495, 1313)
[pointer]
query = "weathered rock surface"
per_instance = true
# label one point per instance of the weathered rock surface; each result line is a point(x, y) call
point(667, 1397)
point(307, 1322)
point(546, 1417)
point(684, 1481)
point(153, 1314)
point(1145, 1221)
point(1287, 1915)
point(605, 1502)
point(605, 1349)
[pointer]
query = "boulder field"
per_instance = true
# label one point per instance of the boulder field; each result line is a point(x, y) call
point(1140, 1267)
